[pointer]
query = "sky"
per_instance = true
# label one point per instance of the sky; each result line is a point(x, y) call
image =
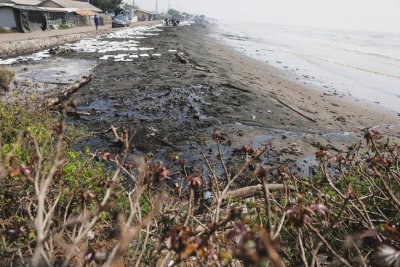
point(372, 15)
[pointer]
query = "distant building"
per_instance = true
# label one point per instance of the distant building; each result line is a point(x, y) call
point(74, 13)
point(141, 15)
point(22, 15)
point(35, 15)
point(77, 5)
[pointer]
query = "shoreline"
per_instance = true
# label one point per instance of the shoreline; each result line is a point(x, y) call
point(318, 61)
point(284, 79)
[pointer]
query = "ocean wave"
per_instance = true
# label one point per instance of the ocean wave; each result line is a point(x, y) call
point(362, 52)
point(337, 62)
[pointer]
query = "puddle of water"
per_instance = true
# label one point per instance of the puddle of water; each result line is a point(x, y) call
point(307, 166)
point(345, 137)
point(60, 71)
point(258, 140)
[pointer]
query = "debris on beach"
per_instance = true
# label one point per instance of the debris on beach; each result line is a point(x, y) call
point(33, 57)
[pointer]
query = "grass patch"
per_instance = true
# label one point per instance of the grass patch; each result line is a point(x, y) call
point(63, 26)
point(3, 30)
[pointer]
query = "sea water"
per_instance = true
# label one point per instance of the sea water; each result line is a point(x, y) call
point(365, 65)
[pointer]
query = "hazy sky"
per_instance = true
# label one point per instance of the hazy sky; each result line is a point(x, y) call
point(376, 15)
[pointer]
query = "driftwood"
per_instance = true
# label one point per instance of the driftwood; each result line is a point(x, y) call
point(79, 113)
point(181, 58)
point(202, 68)
point(245, 192)
point(166, 143)
point(295, 110)
point(120, 138)
point(253, 190)
point(235, 87)
point(53, 101)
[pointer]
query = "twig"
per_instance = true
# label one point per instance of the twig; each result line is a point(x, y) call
point(315, 253)
point(295, 110)
point(329, 247)
point(303, 254)
point(138, 260)
point(222, 161)
point(267, 195)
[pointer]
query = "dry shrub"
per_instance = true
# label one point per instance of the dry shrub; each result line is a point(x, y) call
point(57, 211)
point(6, 76)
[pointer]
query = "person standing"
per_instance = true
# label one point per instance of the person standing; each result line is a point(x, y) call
point(96, 21)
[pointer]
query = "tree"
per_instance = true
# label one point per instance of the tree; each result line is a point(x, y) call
point(186, 15)
point(174, 13)
point(128, 6)
point(107, 5)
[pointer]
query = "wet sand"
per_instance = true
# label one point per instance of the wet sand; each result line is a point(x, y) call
point(172, 104)
point(243, 91)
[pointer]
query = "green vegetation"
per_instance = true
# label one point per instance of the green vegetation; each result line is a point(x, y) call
point(128, 6)
point(107, 5)
point(173, 13)
point(3, 30)
point(28, 148)
point(63, 26)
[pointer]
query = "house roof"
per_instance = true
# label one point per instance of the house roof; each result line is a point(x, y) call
point(85, 12)
point(6, 4)
point(73, 4)
point(144, 11)
point(28, 8)
point(22, 2)
point(57, 9)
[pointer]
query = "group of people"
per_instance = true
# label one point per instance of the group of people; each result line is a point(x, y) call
point(171, 22)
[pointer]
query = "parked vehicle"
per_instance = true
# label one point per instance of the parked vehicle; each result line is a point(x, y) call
point(121, 21)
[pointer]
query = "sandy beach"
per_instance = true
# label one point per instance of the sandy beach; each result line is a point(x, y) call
point(187, 85)
point(239, 96)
